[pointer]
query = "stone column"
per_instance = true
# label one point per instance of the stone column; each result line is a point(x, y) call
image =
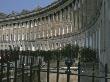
point(86, 40)
point(31, 23)
point(88, 37)
point(96, 40)
point(44, 26)
point(35, 22)
point(28, 24)
point(39, 31)
point(81, 15)
point(17, 31)
point(68, 13)
point(61, 15)
point(99, 43)
point(59, 31)
point(93, 40)
point(64, 14)
point(13, 32)
point(68, 18)
point(33, 31)
point(49, 25)
point(73, 18)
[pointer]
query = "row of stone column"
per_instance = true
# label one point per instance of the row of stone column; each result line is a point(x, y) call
point(58, 23)
point(70, 19)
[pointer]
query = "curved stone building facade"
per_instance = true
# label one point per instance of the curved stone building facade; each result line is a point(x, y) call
point(62, 22)
point(80, 22)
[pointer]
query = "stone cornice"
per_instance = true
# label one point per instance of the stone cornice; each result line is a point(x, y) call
point(36, 13)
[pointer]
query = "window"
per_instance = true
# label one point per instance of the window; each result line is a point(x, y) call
point(27, 36)
point(0, 37)
point(58, 18)
point(31, 23)
point(39, 35)
point(24, 24)
point(23, 36)
point(35, 23)
point(51, 33)
point(27, 24)
point(6, 37)
point(21, 48)
point(34, 35)
point(11, 37)
point(14, 37)
point(63, 31)
point(19, 25)
point(3, 37)
point(55, 32)
point(33, 47)
point(75, 7)
point(43, 33)
point(18, 37)
point(47, 34)
point(67, 29)
point(31, 36)
point(59, 31)
point(41, 47)
point(14, 25)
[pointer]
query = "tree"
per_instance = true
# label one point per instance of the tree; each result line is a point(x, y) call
point(24, 11)
point(87, 55)
point(71, 51)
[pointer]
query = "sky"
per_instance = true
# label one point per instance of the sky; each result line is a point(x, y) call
point(7, 6)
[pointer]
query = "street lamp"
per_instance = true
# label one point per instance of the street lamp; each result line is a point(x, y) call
point(68, 62)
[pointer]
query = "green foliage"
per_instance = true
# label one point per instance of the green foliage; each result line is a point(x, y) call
point(71, 51)
point(87, 55)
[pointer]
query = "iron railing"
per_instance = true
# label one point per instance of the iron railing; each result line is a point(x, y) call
point(14, 71)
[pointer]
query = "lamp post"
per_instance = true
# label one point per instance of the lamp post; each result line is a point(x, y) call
point(68, 63)
point(16, 57)
point(39, 69)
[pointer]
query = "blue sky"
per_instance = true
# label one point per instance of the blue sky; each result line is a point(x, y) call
point(7, 6)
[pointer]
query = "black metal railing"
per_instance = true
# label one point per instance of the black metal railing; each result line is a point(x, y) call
point(20, 71)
